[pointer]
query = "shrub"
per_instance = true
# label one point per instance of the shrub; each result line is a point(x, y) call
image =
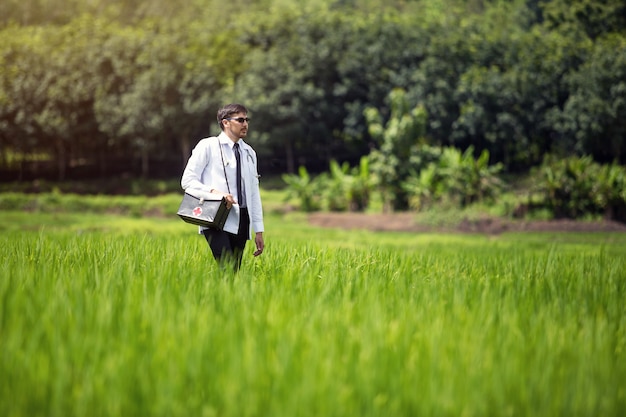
point(304, 188)
point(336, 186)
point(456, 179)
point(577, 187)
point(361, 186)
point(341, 189)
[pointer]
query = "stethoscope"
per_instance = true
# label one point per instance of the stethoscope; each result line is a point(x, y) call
point(252, 164)
point(249, 155)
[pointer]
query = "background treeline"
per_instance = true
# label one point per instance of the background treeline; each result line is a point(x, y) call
point(98, 88)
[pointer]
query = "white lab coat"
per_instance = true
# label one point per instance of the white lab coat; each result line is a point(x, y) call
point(205, 171)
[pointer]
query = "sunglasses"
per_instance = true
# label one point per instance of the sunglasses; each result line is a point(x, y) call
point(239, 119)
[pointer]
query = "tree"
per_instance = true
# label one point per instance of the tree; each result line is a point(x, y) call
point(390, 163)
point(119, 67)
point(508, 106)
point(22, 98)
point(289, 83)
point(585, 18)
point(311, 73)
point(169, 92)
point(593, 117)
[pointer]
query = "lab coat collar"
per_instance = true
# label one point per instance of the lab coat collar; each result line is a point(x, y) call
point(224, 139)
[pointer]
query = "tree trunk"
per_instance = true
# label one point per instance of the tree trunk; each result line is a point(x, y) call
point(102, 164)
point(145, 163)
point(185, 146)
point(61, 159)
point(291, 168)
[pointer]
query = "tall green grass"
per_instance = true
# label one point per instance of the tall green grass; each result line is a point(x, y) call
point(102, 318)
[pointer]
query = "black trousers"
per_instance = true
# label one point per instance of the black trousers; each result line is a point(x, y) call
point(227, 248)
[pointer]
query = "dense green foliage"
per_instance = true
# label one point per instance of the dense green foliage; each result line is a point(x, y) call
point(579, 187)
point(398, 140)
point(343, 188)
point(109, 86)
point(106, 315)
point(455, 179)
point(445, 178)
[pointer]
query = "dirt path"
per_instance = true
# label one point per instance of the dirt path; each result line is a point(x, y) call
point(405, 222)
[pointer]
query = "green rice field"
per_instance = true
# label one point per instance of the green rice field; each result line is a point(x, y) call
point(114, 315)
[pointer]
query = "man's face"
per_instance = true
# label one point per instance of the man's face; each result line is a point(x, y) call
point(236, 125)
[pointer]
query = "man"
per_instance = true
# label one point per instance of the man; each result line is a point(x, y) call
point(227, 165)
